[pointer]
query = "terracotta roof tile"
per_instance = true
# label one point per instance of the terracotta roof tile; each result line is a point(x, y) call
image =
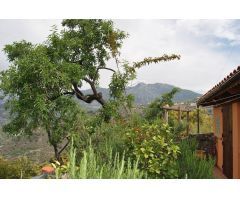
point(219, 85)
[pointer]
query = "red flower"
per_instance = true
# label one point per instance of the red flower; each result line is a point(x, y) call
point(48, 170)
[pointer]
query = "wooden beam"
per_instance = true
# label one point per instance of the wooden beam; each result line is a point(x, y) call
point(176, 109)
point(188, 123)
point(179, 114)
point(198, 120)
point(166, 116)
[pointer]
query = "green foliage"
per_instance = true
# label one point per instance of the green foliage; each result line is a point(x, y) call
point(34, 85)
point(110, 110)
point(18, 168)
point(92, 166)
point(154, 146)
point(132, 148)
point(150, 60)
point(190, 166)
point(179, 128)
point(131, 135)
point(114, 134)
point(205, 119)
point(64, 119)
point(41, 77)
point(117, 108)
point(118, 84)
point(17, 49)
point(155, 110)
point(85, 44)
point(104, 134)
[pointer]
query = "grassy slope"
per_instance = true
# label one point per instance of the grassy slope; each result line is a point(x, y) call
point(36, 148)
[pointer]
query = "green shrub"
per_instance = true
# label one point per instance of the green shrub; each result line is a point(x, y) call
point(191, 166)
point(105, 134)
point(102, 136)
point(18, 168)
point(154, 146)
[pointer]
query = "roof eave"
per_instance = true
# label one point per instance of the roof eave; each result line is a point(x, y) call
point(223, 85)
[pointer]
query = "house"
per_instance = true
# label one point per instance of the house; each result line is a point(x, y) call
point(225, 99)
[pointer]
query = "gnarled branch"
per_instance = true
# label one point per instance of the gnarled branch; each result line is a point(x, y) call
point(64, 147)
point(91, 83)
point(64, 93)
point(106, 69)
point(88, 98)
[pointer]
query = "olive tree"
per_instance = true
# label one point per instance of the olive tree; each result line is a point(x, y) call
point(42, 79)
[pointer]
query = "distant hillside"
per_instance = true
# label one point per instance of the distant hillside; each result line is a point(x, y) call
point(146, 93)
point(3, 112)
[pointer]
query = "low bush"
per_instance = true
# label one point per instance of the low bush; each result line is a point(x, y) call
point(154, 146)
point(18, 168)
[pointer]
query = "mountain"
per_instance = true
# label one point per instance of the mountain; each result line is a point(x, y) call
point(143, 93)
point(146, 93)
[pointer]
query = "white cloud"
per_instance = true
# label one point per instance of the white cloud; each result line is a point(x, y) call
point(199, 43)
point(221, 29)
point(200, 67)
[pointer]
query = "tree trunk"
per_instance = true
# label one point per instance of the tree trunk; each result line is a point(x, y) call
point(57, 154)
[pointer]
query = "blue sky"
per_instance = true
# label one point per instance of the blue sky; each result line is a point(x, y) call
point(209, 49)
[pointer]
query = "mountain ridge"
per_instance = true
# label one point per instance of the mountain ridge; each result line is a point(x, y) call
point(145, 93)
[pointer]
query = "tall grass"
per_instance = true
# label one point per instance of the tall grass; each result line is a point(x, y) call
point(192, 167)
point(93, 166)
